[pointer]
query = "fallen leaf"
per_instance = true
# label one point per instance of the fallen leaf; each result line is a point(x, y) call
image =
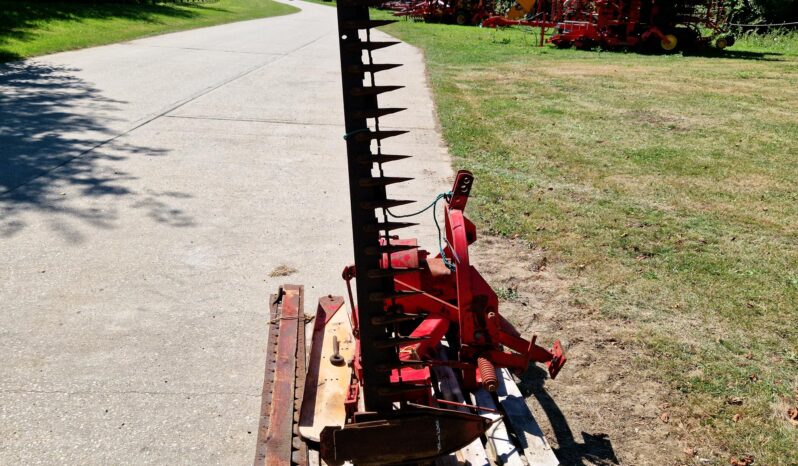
point(792, 415)
point(665, 417)
point(746, 460)
point(749, 355)
point(737, 417)
point(753, 377)
point(689, 451)
point(734, 400)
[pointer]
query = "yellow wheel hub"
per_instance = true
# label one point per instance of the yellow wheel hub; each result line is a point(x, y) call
point(669, 42)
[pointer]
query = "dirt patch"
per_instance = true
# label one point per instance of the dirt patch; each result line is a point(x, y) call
point(600, 410)
point(282, 271)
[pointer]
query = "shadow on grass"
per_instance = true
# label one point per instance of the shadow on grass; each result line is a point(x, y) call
point(736, 54)
point(709, 52)
point(592, 450)
point(19, 20)
point(60, 157)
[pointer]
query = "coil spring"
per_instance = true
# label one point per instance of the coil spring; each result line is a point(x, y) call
point(488, 374)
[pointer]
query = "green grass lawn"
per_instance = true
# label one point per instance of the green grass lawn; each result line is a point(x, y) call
point(35, 28)
point(666, 188)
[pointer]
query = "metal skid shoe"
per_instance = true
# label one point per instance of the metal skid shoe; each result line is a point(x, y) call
point(410, 435)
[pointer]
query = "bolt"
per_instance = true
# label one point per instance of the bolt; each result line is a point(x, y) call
point(336, 359)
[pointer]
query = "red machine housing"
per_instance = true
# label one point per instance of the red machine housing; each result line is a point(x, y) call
point(457, 304)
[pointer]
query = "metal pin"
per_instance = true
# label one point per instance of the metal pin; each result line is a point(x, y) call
point(336, 359)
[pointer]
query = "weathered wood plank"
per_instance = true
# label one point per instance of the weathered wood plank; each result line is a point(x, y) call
point(536, 448)
point(331, 381)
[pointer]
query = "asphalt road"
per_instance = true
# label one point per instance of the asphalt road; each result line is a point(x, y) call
point(147, 190)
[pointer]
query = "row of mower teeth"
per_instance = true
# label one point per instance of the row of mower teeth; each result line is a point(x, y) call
point(375, 289)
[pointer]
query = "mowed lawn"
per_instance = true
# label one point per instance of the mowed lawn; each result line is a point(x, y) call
point(35, 28)
point(666, 189)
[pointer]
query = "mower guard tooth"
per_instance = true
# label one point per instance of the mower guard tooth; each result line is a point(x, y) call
point(371, 68)
point(382, 181)
point(386, 204)
point(369, 45)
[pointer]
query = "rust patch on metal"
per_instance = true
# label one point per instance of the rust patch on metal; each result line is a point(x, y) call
point(284, 378)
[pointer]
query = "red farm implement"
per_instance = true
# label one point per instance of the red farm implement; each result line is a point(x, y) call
point(644, 25)
point(462, 12)
point(417, 364)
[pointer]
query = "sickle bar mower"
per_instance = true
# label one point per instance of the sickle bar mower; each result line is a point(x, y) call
point(368, 396)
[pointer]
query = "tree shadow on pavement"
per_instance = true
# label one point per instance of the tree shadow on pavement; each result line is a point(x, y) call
point(592, 450)
point(56, 140)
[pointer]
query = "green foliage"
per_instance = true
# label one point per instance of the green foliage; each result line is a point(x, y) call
point(34, 28)
point(778, 41)
point(759, 11)
point(501, 6)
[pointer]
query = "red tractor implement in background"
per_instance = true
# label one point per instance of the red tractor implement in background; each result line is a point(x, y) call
point(644, 25)
point(462, 12)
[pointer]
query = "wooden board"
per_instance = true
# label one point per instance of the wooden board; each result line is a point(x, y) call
point(536, 448)
point(331, 382)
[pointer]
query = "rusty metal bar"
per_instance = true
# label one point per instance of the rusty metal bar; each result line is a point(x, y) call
point(278, 443)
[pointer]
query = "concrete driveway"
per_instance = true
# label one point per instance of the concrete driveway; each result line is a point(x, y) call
point(147, 190)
